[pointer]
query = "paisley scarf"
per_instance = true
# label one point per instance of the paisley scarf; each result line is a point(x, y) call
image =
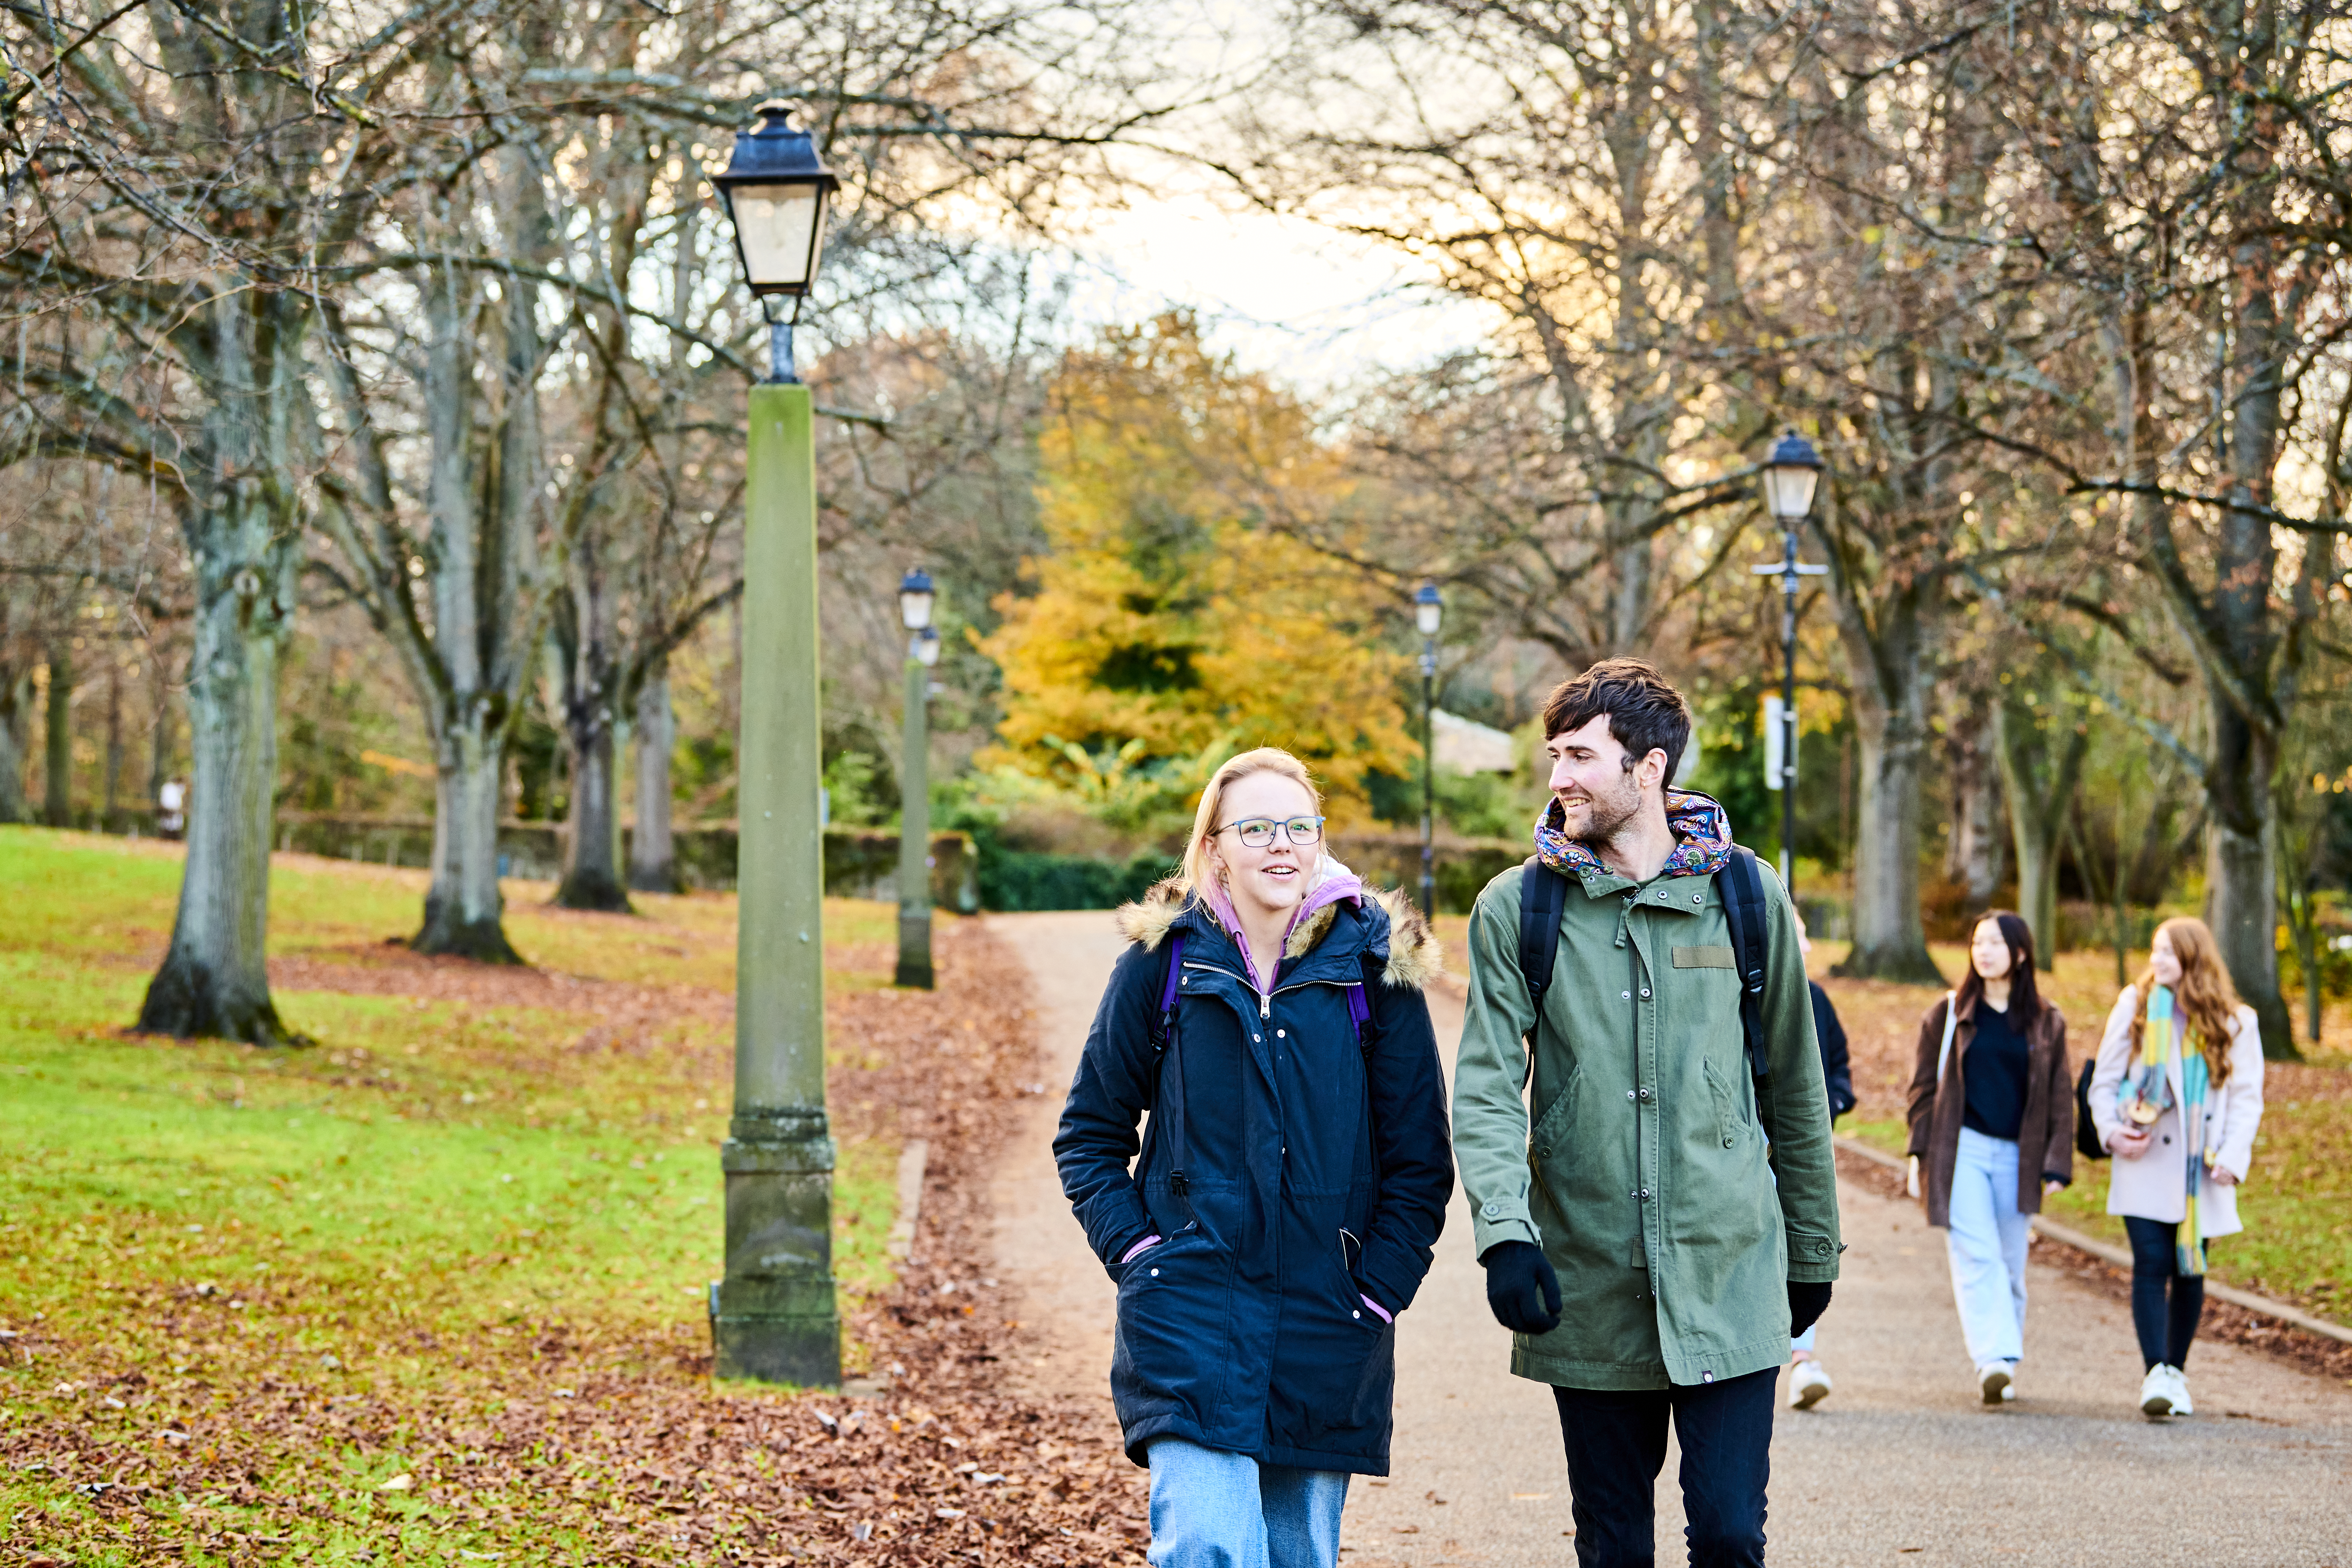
point(1702, 830)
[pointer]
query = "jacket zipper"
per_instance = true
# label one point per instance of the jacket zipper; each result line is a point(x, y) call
point(1264, 998)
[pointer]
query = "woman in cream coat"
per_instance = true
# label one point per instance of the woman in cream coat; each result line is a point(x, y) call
point(2151, 1185)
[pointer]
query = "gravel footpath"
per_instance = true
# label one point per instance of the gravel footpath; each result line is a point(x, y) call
point(1901, 1465)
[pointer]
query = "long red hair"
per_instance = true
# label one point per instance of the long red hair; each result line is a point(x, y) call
point(2204, 997)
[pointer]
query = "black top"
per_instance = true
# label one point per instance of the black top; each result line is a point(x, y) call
point(1998, 1057)
point(1837, 1074)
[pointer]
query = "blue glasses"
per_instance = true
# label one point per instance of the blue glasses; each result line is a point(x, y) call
point(1257, 832)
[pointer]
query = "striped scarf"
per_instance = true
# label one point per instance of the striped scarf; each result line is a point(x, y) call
point(2164, 1039)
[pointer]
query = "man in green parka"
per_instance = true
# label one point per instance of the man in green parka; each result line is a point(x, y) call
point(1683, 1207)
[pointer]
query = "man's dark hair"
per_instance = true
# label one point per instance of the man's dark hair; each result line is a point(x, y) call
point(1645, 712)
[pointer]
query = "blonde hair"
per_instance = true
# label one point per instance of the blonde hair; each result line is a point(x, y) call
point(2208, 1002)
point(1197, 872)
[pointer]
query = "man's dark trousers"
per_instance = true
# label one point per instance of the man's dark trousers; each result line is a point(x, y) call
point(1616, 1443)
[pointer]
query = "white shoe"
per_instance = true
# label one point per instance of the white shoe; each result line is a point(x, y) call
point(1997, 1382)
point(1809, 1385)
point(2159, 1394)
point(2181, 1406)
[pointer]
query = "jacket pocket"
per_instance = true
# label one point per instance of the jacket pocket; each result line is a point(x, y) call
point(1551, 1127)
point(1727, 1119)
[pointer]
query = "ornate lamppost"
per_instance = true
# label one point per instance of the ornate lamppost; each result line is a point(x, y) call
point(1790, 474)
point(773, 1318)
point(1428, 614)
point(916, 597)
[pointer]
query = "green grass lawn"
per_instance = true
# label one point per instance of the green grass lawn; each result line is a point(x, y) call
point(399, 1213)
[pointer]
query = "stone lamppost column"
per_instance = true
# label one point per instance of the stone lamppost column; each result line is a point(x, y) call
point(772, 1318)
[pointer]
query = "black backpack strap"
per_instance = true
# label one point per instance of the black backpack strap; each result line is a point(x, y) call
point(1543, 896)
point(1166, 1039)
point(1744, 909)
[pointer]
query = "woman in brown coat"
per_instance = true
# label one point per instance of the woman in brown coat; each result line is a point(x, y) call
point(1993, 1109)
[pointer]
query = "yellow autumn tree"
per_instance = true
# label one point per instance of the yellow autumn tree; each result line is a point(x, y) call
point(1169, 626)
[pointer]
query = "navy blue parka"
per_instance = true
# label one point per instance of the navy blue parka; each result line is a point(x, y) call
point(1317, 1172)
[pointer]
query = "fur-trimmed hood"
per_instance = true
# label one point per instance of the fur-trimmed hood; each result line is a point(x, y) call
point(1415, 956)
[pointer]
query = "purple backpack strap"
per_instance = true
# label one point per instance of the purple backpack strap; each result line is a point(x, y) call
point(1359, 1012)
point(1175, 977)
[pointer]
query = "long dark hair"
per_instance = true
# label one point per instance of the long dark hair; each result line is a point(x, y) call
point(2024, 1000)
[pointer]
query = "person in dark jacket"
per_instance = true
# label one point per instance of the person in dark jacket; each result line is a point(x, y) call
point(1992, 1134)
point(1291, 1184)
point(1809, 1380)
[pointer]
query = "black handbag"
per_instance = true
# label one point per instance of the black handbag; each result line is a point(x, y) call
point(2086, 1126)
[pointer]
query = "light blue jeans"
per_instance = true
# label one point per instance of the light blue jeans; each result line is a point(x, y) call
point(1987, 1244)
point(1215, 1510)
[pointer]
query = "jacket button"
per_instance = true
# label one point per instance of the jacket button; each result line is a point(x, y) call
point(1155, 1274)
point(1355, 1314)
point(1698, 898)
point(1645, 995)
point(1629, 996)
point(1492, 1210)
point(1629, 1094)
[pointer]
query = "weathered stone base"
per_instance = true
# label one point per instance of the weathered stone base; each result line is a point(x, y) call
point(776, 1331)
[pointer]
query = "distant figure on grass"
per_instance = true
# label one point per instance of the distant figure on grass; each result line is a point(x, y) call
point(1268, 1014)
point(1675, 1188)
point(1992, 1133)
point(171, 809)
point(1809, 1381)
point(2179, 1109)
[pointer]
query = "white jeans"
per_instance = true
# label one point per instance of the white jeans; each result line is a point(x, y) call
point(1987, 1244)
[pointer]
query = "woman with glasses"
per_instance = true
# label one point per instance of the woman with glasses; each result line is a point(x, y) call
point(1280, 1208)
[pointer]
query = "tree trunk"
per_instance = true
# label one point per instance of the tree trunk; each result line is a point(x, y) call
point(16, 697)
point(159, 735)
point(464, 907)
point(56, 793)
point(1885, 648)
point(213, 981)
point(1975, 861)
point(1889, 941)
point(591, 870)
point(2242, 871)
point(652, 851)
point(112, 806)
point(2040, 789)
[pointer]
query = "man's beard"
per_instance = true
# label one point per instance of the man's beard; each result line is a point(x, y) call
point(1608, 814)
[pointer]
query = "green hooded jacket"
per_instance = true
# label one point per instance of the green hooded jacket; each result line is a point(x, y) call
point(1674, 1193)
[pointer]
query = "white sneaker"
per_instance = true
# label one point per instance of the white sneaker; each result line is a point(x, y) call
point(1809, 1385)
point(2181, 1406)
point(1997, 1382)
point(2159, 1395)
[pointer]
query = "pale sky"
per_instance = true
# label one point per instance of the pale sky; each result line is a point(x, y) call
point(1286, 296)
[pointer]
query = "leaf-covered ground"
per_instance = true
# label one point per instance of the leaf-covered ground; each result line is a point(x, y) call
point(433, 1291)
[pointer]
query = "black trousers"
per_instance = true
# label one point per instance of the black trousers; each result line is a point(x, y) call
point(1616, 1443)
point(2165, 1326)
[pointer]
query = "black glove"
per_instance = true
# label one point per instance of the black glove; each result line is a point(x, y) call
point(1522, 1290)
point(1807, 1302)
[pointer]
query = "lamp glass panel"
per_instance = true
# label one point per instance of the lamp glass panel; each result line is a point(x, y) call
point(1428, 618)
point(779, 228)
point(914, 610)
point(1789, 491)
point(926, 649)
